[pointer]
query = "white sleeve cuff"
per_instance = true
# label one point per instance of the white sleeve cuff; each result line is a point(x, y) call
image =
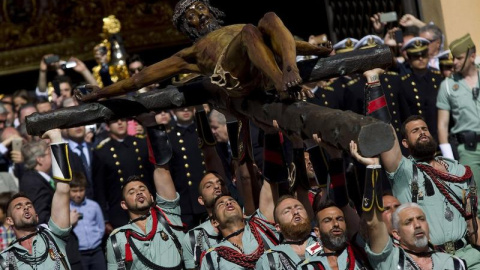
point(376, 166)
point(447, 151)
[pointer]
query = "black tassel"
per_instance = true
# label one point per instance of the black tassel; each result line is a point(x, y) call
point(429, 190)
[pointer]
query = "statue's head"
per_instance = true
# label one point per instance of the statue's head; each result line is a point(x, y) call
point(196, 18)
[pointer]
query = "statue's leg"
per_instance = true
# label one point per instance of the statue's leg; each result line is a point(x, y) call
point(283, 45)
point(249, 43)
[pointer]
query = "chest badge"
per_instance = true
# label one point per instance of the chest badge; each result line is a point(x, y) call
point(164, 236)
point(455, 87)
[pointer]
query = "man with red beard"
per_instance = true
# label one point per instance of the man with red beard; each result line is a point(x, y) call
point(244, 240)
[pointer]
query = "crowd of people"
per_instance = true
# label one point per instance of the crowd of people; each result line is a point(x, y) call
point(195, 188)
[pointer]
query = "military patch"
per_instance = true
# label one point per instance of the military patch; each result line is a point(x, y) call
point(164, 235)
point(455, 87)
point(314, 248)
point(52, 254)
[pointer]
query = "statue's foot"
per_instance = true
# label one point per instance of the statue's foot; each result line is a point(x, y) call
point(291, 77)
point(86, 92)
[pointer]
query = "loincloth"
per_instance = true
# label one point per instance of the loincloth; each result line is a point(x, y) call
point(226, 80)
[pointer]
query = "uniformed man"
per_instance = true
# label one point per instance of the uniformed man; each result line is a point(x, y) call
point(420, 87)
point(445, 60)
point(151, 239)
point(244, 240)
point(300, 250)
point(405, 224)
point(114, 160)
point(187, 165)
point(410, 229)
point(441, 186)
point(205, 235)
point(41, 247)
point(390, 81)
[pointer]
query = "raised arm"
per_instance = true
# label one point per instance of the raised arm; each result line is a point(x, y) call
point(62, 174)
point(162, 152)
point(152, 74)
point(372, 203)
point(391, 158)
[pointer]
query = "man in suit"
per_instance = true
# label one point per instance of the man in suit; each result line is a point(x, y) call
point(81, 160)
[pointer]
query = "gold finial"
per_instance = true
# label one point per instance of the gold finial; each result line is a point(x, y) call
point(111, 25)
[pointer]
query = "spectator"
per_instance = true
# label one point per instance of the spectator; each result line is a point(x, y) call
point(7, 235)
point(43, 105)
point(88, 224)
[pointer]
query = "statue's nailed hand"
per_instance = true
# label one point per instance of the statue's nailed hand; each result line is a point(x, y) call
point(86, 92)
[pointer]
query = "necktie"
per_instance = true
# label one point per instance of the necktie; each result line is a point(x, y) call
point(84, 159)
point(52, 183)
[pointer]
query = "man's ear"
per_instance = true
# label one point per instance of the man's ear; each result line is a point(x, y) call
point(404, 143)
point(277, 227)
point(317, 231)
point(9, 221)
point(123, 205)
point(396, 235)
point(200, 200)
point(215, 223)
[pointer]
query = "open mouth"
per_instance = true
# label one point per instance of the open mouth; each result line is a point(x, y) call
point(140, 199)
point(230, 208)
point(337, 231)
point(27, 215)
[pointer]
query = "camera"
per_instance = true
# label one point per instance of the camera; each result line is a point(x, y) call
point(80, 215)
point(399, 36)
point(67, 65)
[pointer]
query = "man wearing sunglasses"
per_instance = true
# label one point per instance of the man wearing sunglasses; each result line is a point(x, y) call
point(421, 86)
point(458, 98)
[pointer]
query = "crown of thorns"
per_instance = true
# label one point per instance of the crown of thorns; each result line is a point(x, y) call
point(181, 7)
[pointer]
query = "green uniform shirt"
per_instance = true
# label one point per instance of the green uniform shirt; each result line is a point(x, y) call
point(313, 253)
point(389, 258)
point(456, 96)
point(161, 249)
point(435, 206)
point(39, 247)
point(204, 237)
point(249, 242)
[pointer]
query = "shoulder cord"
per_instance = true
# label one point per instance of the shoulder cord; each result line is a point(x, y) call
point(435, 175)
point(50, 247)
point(238, 258)
point(121, 263)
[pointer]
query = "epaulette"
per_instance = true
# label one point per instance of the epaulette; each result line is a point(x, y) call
point(100, 145)
point(391, 73)
point(405, 77)
point(329, 88)
point(434, 71)
point(140, 136)
point(352, 82)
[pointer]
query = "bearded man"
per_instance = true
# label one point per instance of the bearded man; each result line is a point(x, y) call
point(444, 189)
point(300, 249)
